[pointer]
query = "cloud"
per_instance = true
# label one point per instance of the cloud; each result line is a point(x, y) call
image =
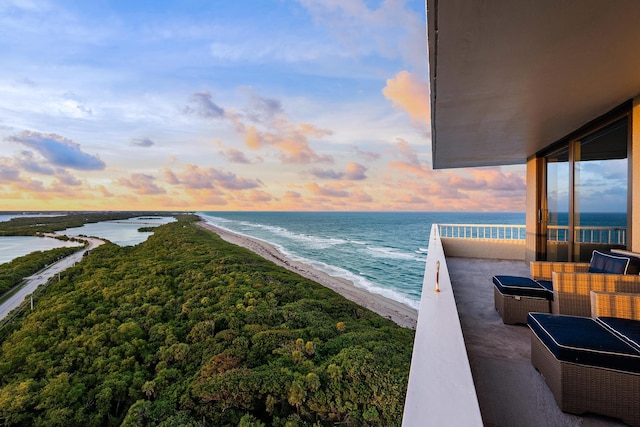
point(292, 140)
point(390, 30)
point(104, 191)
point(141, 184)
point(327, 190)
point(234, 156)
point(143, 142)
point(410, 94)
point(8, 173)
point(28, 161)
point(366, 155)
point(201, 104)
point(353, 172)
point(195, 177)
point(262, 109)
point(258, 196)
point(292, 196)
point(65, 178)
point(406, 152)
point(58, 150)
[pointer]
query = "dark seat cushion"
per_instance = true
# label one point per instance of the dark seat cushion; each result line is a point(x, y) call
point(522, 286)
point(609, 263)
point(584, 341)
point(634, 260)
point(628, 330)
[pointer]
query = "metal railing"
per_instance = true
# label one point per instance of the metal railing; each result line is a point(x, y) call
point(555, 233)
point(588, 234)
point(483, 231)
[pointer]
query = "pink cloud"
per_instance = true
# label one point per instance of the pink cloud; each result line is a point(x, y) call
point(234, 156)
point(410, 94)
point(353, 172)
point(194, 177)
point(141, 184)
point(327, 190)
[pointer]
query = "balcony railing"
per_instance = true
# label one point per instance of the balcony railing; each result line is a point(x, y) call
point(555, 233)
point(483, 231)
point(588, 234)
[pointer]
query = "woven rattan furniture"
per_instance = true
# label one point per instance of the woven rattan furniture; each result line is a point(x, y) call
point(572, 282)
point(541, 270)
point(592, 364)
point(515, 297)
point(571, 291)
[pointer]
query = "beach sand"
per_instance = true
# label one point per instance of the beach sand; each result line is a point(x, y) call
point(399, 313)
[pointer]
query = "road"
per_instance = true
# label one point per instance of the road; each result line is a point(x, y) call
point(41, 277)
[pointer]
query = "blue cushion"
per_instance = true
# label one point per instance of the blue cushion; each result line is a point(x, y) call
point(521, 286)
point(628, 330)
point(634, 260)
point(585, 341)
point(606, 262)
point(548, 285)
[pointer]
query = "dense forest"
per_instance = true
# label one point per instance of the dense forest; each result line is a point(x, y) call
point(188, 330)
point(33, 225)
point(12, 273)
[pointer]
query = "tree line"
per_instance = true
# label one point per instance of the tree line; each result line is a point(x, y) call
point(188, 330)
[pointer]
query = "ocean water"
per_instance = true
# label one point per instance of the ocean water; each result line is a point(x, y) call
point(383, 252)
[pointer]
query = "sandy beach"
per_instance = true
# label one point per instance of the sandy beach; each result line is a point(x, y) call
point(397, 312)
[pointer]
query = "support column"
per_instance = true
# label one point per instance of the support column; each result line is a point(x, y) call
point(533, 204)
point(633, 231)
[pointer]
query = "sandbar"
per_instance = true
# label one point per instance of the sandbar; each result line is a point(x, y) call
point(395, 311)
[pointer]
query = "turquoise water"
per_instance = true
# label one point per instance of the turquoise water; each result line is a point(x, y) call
point(383, 252)
point(122, 232)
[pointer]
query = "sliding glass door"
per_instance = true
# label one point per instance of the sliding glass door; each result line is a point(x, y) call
point(585, 207)
point(557, 211)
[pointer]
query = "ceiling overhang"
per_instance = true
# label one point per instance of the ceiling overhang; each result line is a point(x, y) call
point(509, 78)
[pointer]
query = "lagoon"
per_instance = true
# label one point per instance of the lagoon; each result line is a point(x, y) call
point(122, 232)
point(12, 247)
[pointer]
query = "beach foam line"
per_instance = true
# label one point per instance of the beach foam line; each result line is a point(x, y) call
point(313, 241)
point(392, 253)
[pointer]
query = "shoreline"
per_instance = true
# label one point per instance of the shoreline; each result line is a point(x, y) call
point(395, 311)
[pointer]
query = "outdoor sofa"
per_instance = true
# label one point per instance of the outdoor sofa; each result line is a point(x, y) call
point(592, 364)
point(615, 271)
point(564, 287)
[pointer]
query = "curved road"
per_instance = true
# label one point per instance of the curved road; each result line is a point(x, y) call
point(41, 277)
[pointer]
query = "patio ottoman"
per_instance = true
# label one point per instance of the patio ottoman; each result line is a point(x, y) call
point(590, 364)
point(516, 296)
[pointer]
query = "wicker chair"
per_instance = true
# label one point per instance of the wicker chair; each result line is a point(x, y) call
point(572, 284)
point(581, 384)
point(571, 291)
point(541, 270)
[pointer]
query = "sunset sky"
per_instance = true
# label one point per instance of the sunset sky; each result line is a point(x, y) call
point(225, 105)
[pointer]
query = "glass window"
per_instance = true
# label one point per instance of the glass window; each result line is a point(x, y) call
point(586, 194)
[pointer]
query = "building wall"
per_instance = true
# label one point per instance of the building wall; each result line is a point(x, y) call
point(484, 248)
point(633, 235)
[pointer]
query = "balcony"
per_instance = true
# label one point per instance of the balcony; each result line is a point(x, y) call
point(469, 368)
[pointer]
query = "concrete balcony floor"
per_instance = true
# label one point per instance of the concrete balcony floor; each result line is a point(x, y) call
point(510, 391)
